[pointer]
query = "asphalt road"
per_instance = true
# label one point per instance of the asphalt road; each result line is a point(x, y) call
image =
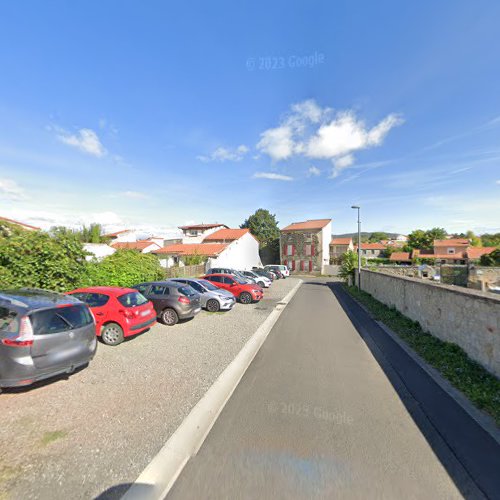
point(316, 416)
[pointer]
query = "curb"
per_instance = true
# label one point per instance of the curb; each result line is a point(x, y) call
point(481, 418)
point(160, 474)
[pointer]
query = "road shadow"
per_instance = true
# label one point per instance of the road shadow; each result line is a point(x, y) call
point(470, 455)
point(117, 491)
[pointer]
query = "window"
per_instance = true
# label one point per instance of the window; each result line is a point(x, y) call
point(96, 299)
point(159, 290)
point(228, 281)
point(132, 299)
point(289, 250)
point(308, 249)
point(9, 321)
point(142, 288)
point(80, 296)
point(215, 279)
point(196, 286)
point(450, 251)
point(60, 320)
point(187, 291)
point(208, 285)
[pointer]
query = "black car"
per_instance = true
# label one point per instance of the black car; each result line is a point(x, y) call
point(263, 272)
point(172, 301)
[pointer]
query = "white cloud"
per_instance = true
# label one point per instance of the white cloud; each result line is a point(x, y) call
point(85, 140)
point(134, 195)
point(226, 154)
point(340, 163)
point(323, 134)
point(272, 176)
point(10, 190)
point(313, 171)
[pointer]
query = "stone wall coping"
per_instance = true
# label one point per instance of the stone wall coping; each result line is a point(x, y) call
point(449, 288)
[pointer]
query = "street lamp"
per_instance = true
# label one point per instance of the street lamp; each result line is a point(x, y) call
point(356, 207)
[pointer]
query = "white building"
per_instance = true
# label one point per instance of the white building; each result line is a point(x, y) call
point(98, 250)
point(196, 233)
point(144, 246)
point(234, 248)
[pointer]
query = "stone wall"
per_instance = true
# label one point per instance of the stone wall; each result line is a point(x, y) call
point(469, 318)
point(481, 278)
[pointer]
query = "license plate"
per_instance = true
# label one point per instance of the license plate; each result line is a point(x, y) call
point(145, 313)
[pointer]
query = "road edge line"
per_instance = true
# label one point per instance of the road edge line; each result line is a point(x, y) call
point(160, 474)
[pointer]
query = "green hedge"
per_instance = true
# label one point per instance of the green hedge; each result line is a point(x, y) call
point(124, 268)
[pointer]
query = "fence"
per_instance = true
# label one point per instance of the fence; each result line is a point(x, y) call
point(185, 271)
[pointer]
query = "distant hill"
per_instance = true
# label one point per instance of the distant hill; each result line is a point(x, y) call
point(364, 235)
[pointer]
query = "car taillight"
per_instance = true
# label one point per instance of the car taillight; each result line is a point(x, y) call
point(184, 300)
point(25, 337)
point(128, 314)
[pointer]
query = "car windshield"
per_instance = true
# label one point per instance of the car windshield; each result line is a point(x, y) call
point(239, 280)
point(132, 299)
point(187, 290)
point(209, 286)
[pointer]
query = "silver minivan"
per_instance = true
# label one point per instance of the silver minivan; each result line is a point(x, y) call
point(42, 334)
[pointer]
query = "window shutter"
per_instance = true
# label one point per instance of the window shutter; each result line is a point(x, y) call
point(285, 262)
point(284, 249)
point(312, 248)
point(310, 265)
point(293, 249)
point(293, 265)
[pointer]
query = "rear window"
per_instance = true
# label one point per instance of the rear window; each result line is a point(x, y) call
point(187, 291)
point(97, 299)
point(9, 320)
point(60, 319)
point(132, 299)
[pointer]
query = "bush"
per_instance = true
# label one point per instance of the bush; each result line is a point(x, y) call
point(349, 263)
point(491, 259)
point(124, 268)
point(39, 260)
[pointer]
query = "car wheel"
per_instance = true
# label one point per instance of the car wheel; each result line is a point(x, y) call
point(169, 317)
point(245, 298)
point(213, 305)
point(112, 334)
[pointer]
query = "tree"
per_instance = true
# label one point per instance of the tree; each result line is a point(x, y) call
point(475, 241)
point(491, 259)
point(41, 260)
point(378, 236)
point(124, 268)
point(264, 226)
point(194, 260)
point(424, 240)
point(349, 263)
point(90, 234)
point(490, 240)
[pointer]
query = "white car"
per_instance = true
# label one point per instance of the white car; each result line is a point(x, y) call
point(260, 280)
point(283, 269)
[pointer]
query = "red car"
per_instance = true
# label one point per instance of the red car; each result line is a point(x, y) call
point(244, 292)
point(118, 312)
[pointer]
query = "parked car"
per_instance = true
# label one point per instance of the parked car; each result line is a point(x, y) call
point(234, 272)
point(282, 269)
point(262, 272)
point(118, 312)
point(42, 334)
point(172, 301)
point(260, 280)
point(213, 298)
point(244, 292)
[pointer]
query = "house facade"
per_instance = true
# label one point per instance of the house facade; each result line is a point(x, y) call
point(451, 251)
point(305, 246)
point(339, 246)
point(371, 250)
point(144, 246)
point(196, 233)
point(234, 248)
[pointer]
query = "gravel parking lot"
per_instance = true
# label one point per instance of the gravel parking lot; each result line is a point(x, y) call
point(94, 431)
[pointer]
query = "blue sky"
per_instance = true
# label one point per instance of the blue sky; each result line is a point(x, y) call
point(156, 114)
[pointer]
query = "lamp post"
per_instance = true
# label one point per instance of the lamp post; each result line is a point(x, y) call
point(357, 207)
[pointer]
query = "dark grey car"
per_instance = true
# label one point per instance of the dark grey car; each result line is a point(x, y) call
point(42, 334)
point(172, 301)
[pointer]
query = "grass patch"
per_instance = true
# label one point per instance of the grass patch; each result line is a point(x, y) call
point(7, 473)
point(51, 436)
point(479, 385)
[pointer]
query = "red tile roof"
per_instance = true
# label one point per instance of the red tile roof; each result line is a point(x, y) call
point(307, 225)
point(341, 241)
point(452, 242)
point(475, 253)
point(398, 256)
point(226, 235)
point(206, 249)
point(202, 226)
point(22, 224)
point(133, 245)
point(114, 235)
point(372, 246)
point(457, 255)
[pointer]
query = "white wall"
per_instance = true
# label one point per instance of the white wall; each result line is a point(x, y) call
point(98, 250)
point(242, 254)
point(326, 237)
point(128, 237)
